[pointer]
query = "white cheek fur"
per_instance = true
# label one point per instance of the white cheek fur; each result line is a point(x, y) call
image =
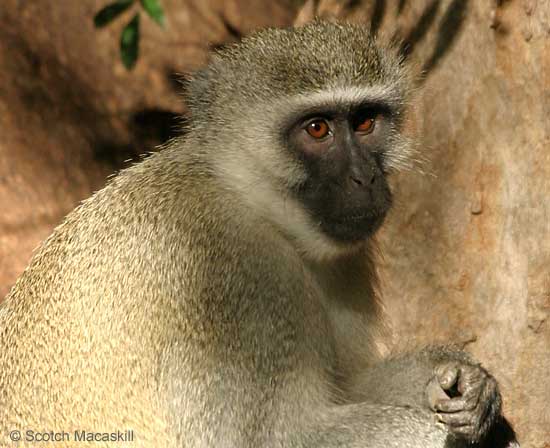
point(255, 168)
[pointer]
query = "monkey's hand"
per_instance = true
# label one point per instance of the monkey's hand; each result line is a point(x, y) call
point(465, 398)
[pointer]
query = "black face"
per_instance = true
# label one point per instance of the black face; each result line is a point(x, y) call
point(346, 191)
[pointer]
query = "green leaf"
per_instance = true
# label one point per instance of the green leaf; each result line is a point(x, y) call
point(154, 10)
point(129, 43)
point(110, 12)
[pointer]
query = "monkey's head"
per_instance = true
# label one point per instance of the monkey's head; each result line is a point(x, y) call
point(306, 124)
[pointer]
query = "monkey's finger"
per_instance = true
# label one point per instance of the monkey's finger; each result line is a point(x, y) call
point(470, 381)
point(457, 404)
point(435, 393)
point(468, 432)
point(447, 375)
point(457, 419)
point(472, 395)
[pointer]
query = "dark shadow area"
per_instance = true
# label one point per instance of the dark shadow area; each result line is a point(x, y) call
point(115, 155)
point(354, 4)
point(419, 31)
point(149, 128)
point(377, 15)
point(501, 436)
point(234, 35)
point(177, 80)
point(448, 31)
point(47, 87)
point(401, 5)
point(234, 32)
point(59, 99)
point(156, 124)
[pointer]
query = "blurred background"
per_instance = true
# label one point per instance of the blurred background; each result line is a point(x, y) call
point(86, 88)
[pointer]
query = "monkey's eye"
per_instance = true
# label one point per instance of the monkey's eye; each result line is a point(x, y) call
point(318, 129)
point(365, 125)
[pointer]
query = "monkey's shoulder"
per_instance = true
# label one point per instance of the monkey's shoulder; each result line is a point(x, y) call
point(163, 222)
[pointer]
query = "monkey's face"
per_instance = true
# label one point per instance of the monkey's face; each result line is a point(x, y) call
point(342, 150)
point(305, 123)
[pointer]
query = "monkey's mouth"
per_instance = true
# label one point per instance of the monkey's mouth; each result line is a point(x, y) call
point(355, 217)
point(353, 227)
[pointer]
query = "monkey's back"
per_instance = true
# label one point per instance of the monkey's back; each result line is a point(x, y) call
point(114, 306)
point(71, 352)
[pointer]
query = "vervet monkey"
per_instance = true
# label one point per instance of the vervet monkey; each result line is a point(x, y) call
point(222, 292)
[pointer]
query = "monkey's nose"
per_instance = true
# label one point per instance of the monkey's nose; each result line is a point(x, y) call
point(361, 181)
point(356, 181)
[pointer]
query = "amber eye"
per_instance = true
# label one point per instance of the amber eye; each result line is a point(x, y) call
point(365, 126)
point(318, 129)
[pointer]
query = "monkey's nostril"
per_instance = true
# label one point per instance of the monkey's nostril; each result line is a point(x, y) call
point(356, 181)
point(373, 178)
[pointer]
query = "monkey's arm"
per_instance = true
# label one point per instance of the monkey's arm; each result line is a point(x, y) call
point(376, 426)
point(463, 395)
point(402, 380)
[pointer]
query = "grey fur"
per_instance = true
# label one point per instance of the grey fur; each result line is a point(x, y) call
point(188, 302)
